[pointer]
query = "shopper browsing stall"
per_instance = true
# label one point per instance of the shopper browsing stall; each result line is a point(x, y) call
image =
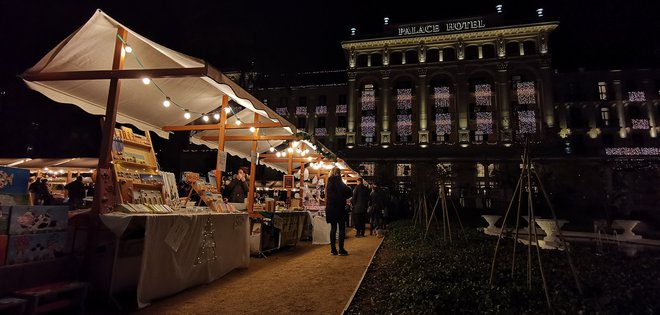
point(238, 187)
point(335, 210)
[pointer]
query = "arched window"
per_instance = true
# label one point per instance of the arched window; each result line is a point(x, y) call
point(448, 54)
point(471, 52)
point(412, 57)
point(396, 58)
point(432, 55)
point(376, 60)
point(368, 113)
point(362, 61)
point(442, 109)
point(512, 49)
point(488, 51)
point(529, 47)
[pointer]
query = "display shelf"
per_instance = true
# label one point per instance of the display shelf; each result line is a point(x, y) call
point(143, 185)
point(138, 144)
point(122, 162)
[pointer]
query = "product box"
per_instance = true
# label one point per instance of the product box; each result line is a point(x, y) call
point(38, 219)
point(3, 249)
point(13, 181)
point(35, 247)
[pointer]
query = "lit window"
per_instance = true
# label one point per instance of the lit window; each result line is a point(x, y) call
point(602, 91)
point(605, 115)
point(404, 169)
point(481, 170)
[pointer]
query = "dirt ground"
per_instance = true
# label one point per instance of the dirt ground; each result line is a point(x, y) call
point(304, 279)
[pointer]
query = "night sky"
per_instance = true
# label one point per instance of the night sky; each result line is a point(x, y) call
point(278, 36)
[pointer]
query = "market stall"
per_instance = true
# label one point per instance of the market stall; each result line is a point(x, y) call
point(105, 68)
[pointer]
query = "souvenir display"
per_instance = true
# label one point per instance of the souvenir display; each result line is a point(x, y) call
point(38, 219)
point(35, 247)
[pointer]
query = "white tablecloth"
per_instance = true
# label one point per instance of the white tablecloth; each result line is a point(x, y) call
point(184, 250)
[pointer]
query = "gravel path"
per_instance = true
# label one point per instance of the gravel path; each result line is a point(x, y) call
point(304, 279)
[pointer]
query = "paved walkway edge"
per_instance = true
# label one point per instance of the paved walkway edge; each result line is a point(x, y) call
point(348, 304)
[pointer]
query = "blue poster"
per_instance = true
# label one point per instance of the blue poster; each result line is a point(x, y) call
point(14, 181)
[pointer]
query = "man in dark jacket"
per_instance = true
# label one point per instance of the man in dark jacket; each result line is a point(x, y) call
point(378, 204)
point(76, 193)
point(360, 203)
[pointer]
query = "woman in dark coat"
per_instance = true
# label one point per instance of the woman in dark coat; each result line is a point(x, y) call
point(335, 209)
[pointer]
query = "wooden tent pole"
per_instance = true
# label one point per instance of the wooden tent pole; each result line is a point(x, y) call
point(253, 167)
point(221, 141)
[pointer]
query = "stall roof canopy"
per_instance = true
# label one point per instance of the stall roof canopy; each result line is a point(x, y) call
point(73, 164)
point(78, 70)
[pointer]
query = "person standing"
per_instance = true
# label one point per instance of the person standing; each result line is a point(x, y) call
point(238, 187)
point(335, 210)
point(43, 192)
point(76, 193)
point(360, 203)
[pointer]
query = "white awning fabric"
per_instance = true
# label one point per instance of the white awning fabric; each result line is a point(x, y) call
point(91, 48)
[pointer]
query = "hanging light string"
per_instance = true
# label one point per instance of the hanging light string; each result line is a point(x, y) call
point(167, 102)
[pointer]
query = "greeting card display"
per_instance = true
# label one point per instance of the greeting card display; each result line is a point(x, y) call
point(35, 247)
point(13, 181)
point(37, 219)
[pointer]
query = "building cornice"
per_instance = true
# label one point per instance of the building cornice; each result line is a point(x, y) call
point(509, 32)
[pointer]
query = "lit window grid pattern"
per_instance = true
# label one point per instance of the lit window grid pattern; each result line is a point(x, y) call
point(404, 125)
point(640, 123)
point(401, 168)
point(633, 151)
point(367, 169)
point(301, 110)
point(321, 110)
point(282, 111)
point(485, 122)
point(368, 100)
point(340, 131)
point(441, 96)
point(321, 131)
point(342, 109)
point(526, 121)
point(526, 92)
point(482, 94)
point(443, 123)
point(404, 99)
point(368, 126)
point(637, 96)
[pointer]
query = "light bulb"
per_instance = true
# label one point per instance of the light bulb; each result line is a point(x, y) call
point(128, 48)
point(186, 114)
point(252, 129)
point(295, 144)
point(146, 81)
point(205, 117)
point(278, 154)
point(272, 149)
point(216, 116)
point(167, 102)
point(227, 110)
point(290, 149)
point(238, 122)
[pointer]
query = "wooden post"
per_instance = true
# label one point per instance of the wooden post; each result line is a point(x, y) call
point(253, 166)
point(290, 169)
point(221, 140)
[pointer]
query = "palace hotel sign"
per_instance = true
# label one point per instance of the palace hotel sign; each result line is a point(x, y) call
point(441, 27)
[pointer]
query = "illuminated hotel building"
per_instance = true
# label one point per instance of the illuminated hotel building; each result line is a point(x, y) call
point(462, 95)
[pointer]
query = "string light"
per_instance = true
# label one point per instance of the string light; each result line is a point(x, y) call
point(252, 129)
point(227, 109)
point(238, 122)
point(404, 117)
point(205, 117)
point(526, 92)
point(368, 119)
point(526, 121)
point(640, 124)
point(282, 111)
point(485, 122)
point(637, 96)
point(441, 96)
point(272, 149)
point(168, 101)
point(342, 109)
point(442, 123)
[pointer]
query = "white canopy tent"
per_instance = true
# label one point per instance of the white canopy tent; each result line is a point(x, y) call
point(77, 71)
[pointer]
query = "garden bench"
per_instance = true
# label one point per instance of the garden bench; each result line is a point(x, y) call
point(54, 296)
